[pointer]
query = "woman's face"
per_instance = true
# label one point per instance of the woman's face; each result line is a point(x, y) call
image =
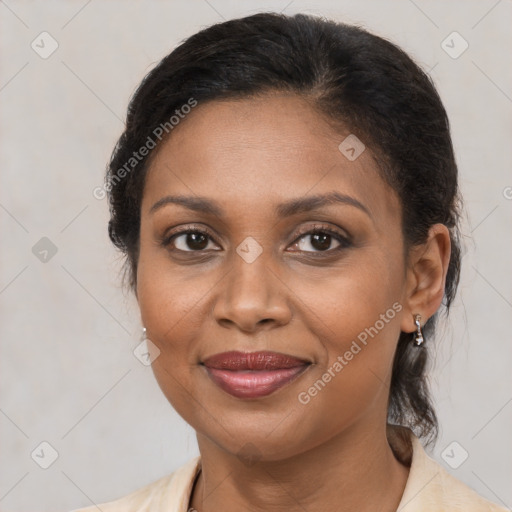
point(256, 281)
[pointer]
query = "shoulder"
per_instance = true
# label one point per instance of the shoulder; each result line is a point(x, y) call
point(430, 487)
point(169, 493)
point(462, 497)
point(136, 501)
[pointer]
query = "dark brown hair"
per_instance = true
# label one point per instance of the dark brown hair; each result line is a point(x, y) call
point(357, 80)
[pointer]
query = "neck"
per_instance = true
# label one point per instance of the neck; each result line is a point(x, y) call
point(355, 470)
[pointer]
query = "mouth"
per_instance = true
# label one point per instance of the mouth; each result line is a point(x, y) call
point(253, 374)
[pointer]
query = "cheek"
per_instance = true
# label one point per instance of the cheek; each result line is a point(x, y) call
point(357, 317)
point(170, 307)
point(171, 300)
point(359, 300)
point(165, 292)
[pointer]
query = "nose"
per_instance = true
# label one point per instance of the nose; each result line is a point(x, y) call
point(252, 297)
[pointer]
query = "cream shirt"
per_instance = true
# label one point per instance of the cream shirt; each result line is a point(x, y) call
point(429, 487)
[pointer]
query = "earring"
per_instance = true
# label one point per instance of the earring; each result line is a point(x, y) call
point(143, 337)
point(418, 336)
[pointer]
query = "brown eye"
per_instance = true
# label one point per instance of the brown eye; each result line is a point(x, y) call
point(192, 241)
point(318, 241)
point(321, 240)
point(189, 240)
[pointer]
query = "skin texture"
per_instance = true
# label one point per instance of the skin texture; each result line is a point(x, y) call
point(275, 453)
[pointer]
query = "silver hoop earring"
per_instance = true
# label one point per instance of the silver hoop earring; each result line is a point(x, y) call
point(418, 336)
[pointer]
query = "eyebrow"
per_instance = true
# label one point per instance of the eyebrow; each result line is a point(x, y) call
point(286, 209)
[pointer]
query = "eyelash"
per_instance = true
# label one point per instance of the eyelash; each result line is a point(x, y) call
point(343, 240)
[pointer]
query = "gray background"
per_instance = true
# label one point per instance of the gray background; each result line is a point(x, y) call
point(68, 374)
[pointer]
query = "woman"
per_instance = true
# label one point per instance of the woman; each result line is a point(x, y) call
point(286, 195)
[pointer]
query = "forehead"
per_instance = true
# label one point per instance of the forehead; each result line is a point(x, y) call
point(257, 152)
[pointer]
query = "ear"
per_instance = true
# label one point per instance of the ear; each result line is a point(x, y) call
point(426, 277)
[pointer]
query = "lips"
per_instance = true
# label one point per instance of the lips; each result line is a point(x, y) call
point(253, 374)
